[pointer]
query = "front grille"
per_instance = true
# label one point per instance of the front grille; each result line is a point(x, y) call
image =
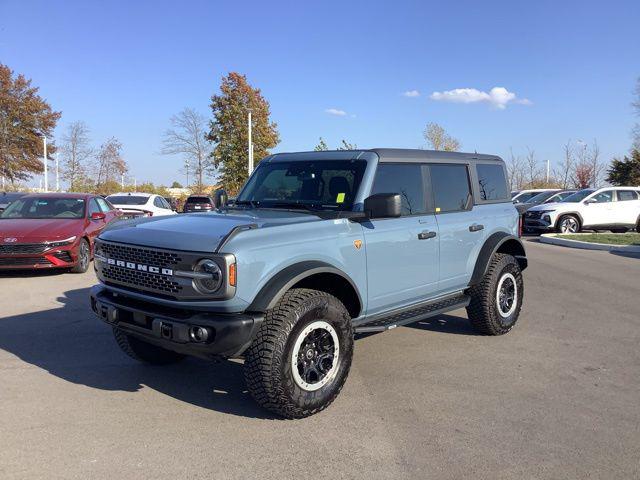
point(22, 261)
point(22, 248)
point(138, 279)
point(145, 256)
point(144, 280)
point(533, 215)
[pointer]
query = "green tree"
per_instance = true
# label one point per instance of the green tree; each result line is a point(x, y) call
point(176, 185)
point(229, 129)
point(347, 146)
point(24, 118)
point(626, 171)
point(322, 146)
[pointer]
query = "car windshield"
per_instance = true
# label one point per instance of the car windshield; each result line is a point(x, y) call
point(525, 197)
point(578, 196)
point(127, 199)
point(9, 197)
point(317, 184)
point(541, 197)
point(47, 207)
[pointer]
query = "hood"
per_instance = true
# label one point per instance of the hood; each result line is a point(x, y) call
point(549, 206)
point(27, 230)
point(198, 232)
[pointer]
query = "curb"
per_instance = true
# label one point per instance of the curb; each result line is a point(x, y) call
point(552, 239)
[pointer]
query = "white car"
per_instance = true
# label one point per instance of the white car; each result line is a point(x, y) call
point(135, 205)
point(523, 196)
point(610, 208)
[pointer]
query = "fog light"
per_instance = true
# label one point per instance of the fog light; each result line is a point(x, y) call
point(199, 334)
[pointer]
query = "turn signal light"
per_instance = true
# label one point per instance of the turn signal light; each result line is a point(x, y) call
point(232, 274)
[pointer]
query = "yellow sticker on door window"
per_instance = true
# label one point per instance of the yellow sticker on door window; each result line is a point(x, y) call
point(340, 198)
point(437, 209)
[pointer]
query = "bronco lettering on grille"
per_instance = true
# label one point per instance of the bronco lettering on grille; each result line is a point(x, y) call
point(136, 266)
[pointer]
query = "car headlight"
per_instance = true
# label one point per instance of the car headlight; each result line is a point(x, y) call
point(209, 277)
point(60, 243)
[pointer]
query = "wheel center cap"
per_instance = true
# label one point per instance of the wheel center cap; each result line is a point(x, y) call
point(310, 353)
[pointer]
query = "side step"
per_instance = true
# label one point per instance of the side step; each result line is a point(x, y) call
point(381, 323)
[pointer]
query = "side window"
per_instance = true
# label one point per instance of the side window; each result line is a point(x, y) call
point(492, 182)
point(450, 184)
point(94, 207)
point(158, 203)
point(603, 197)
point(626, 195)
point(102, 203)
point(405, 179)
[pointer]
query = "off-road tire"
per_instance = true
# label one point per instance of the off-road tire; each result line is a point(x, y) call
point(563, 217)
point(483, 310)
point(268, 367)
point(145, 352)
point(84, 257)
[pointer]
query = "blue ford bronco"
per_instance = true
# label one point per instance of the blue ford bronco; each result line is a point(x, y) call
point(316, 247)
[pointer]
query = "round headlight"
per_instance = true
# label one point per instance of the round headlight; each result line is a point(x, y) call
point(211, 282)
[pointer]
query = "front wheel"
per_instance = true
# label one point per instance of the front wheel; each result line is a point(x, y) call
point(301, 355)
point(568, 224)
point(84, 257)
point(496, 301)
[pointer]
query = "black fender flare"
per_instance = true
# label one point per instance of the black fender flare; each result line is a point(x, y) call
point(281, 282)
point(490, 247)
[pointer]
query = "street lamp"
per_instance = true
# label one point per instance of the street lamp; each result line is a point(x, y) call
point(250, 166)
point(44, 160)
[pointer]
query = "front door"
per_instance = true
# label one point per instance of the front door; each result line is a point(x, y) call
point(599, 209)
point(402, 253)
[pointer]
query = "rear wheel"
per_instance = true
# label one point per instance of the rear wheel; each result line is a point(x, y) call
point(568, 224)
point(84, 257)
point(144, 352)
point(301, 356)
point(496, 301)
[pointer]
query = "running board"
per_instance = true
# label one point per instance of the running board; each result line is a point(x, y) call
point(381, 323)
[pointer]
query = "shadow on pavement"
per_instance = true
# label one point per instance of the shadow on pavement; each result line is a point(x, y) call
point(626, 254)
point(445, 324)
point(70, 343)
point(27, 273)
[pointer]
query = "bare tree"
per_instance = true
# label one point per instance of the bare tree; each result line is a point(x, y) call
point(533, 168)
point(439, 139)
point(588, 170)
point(109, 164)
point(563, 173)
point(187, 138)
point(76, 152)
point(635, 133)
point(516, 171)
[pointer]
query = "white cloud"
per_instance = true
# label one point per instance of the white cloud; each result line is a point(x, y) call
point(497, 97)
point(336, 112)
point(411, 93)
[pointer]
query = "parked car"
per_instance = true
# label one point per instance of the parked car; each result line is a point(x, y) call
point(317, 246)
point(198, 203)
point(172, 203)
point(523, 196)
point(544, 197)
point(52, 230)
point(134, 205)
point(7, 197)
point(610, 208)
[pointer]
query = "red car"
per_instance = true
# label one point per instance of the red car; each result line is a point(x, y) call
point(53, 230)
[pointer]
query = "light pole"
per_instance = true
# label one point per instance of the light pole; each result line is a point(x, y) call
point(44, 160)
point(57, 172)
point(250, 145)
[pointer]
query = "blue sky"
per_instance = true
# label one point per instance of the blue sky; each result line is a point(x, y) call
point(125, 67)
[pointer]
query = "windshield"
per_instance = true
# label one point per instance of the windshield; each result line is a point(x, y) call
point(49, 207)
point(525, 197)
point(127, 199)
point(541, 197)
point(9, 197)
point(578, 196)
point(318, 184)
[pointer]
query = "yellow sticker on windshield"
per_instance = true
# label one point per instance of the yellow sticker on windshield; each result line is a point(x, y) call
point(340, 198)
point(437, 209)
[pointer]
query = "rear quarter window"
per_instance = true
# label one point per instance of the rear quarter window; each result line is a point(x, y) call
point(492, 183)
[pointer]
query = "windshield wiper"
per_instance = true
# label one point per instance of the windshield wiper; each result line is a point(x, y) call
point(251, 203)
point(295, 206)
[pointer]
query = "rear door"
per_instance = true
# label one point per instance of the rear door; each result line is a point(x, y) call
point(627, 207)
point(460, 234)
point(402, 253)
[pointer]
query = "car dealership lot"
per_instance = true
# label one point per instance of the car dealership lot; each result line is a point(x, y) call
point(555, 398)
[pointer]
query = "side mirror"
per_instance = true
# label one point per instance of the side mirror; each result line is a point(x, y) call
point(591, 200)
point(98, 216)
point(220, 198)
point(383, 205)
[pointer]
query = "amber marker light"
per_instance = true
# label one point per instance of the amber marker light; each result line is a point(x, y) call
point(232, 274)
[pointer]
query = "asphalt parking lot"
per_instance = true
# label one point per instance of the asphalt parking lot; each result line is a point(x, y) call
point(558, 397)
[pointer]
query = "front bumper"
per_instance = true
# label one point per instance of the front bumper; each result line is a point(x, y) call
point(544, 224)
point(61, 257)
point(229, 334)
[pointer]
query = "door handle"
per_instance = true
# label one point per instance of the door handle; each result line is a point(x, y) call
point(426, 235)
point(476, 227)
